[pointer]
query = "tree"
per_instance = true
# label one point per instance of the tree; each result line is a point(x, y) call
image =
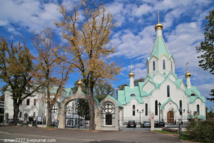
point(121, 87)
point(18, 73)
point(2, 97)
point(101, 90)
point(138, 80)
point(212, 94)
point(54, 73)
point(207, 48)
point(87, 45)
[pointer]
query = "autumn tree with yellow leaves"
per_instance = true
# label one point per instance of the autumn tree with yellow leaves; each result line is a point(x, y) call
point(87, 28)
point(54, 72)
point(18, 73)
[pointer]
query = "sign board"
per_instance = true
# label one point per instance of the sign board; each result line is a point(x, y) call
point(39, 118)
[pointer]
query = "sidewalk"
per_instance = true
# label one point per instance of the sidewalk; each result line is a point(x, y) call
point(71, 135)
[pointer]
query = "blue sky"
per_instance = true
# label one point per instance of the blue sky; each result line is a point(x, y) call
point(134, 36)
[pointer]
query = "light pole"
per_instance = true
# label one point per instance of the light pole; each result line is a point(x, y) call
point(159, 104)
point(140, 114)
point(77, 110)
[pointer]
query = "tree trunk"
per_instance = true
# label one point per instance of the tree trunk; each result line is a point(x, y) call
point(15, 112)
point(91, 108)
point(48, 115)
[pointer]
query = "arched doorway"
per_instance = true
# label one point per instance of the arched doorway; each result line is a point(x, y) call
point(170, 117)
point(25, 117)
point(108, 114)
point(6, 117)
point(77, 112)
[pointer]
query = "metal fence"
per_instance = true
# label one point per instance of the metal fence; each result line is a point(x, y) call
point(174, 121)
point(1, 111)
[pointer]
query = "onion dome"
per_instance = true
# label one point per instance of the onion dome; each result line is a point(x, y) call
point(131, 74)
point(159, 25)
point(188, 74)
point(79, 83)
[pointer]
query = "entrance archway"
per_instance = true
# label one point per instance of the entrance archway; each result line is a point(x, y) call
point(108, 113)
point(77, 112)
point(170, 117)
point(108, 119)
point(62, 112)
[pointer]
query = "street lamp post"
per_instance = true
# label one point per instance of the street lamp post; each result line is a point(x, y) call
point(140, 114)
point(180, 121)
point(159, 104)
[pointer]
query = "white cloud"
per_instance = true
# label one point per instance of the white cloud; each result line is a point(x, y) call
point(205, 89)
point(131, 46)
point(32, 15)
point(141, 10)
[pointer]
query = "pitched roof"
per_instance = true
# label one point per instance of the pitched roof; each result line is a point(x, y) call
point(160, 48)
point(124, 95)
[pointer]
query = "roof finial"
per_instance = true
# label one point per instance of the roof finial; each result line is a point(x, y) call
point(80, 76)
point(187, 66)
point(131, 74)
point(158, 17)
point(188, 74)
point(80, 81)
point(159, 25)
point(131, 65)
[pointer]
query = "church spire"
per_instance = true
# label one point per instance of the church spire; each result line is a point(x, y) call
point(131, 77)
point(188, 76)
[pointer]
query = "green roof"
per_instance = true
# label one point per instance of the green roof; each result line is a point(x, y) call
point(124, 95)
point(169, 99)
point(160, 48)
point(115, 100)
point(194, 90)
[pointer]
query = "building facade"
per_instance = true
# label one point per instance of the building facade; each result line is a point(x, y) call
point(161, 94)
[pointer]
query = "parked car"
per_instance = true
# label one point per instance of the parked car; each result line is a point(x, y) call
point(159, 124)
point(131, 124)
point(146, 124)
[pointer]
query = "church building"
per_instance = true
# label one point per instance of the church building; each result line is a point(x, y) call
point(161, 93)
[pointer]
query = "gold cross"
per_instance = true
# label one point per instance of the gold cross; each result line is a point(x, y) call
point(187, 65)
point(131, 65)
point(158, 16)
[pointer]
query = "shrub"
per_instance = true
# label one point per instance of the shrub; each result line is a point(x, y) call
point(202, 131)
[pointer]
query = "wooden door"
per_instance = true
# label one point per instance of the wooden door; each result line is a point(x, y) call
point(170, 117)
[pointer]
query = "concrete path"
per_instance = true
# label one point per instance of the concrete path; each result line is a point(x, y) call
point(30, 134)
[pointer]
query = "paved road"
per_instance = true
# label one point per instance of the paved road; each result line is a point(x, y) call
point(29, 134)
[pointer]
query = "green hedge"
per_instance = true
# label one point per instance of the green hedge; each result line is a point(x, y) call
point(202, 131)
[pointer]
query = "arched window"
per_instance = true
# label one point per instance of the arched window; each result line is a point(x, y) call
point(153, 65)
point(108, 113)
point(193, 94)
point(180, 107)
point(198, 109)
point(171, 66)
point(168, 91)
point(132, 95)
point(146, 108)
point(133, 110)
point(164, 65)
point(156, 107)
